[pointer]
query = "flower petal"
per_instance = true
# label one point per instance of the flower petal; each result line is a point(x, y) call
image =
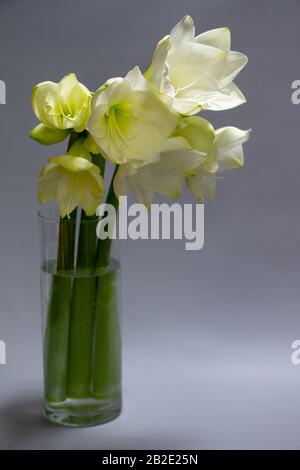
point(164, 177)
point(174, 144)
point(91, 145)
point(136, 79)
point(219, 38)
point(74, 164)
point(236, 61)
point(157, 73)
point(129, 124)
point(90, 192)
point(229, 143)
point(184, 30)
point(208, 183)
point(161, 180)
point(46, 136)
point(202, 186)
point(198, 132)
point(67, 193)
point(67, 85)
point(78, 149)
point(190, 62)
point(47, 183)
point(63, 105)
point(186, 106)
point(197, 73)
point(181, 161)
point(230, 98)
point(39, 95)
point(72, 182)
point(128, 179)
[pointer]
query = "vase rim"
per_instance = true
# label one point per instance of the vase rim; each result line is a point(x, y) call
point(50, 214)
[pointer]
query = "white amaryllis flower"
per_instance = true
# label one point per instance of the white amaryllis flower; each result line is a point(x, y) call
point(223, 148)
point(64, 105)
point(164, 176)
point(73, 181)
point(197, 72)
point(128, 120)
point(195, 152)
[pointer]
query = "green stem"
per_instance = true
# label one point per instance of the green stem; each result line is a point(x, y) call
point(82, 308)
point(57, 326)
point(82, 313)
point(100, 162)
point(106, 372)
point(104, 246)
point(66, 243)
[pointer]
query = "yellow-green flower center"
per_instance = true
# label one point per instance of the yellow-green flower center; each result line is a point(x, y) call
point(118, 117)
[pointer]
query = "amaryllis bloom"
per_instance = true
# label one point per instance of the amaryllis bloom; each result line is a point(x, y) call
point(72, 181)
point(197, 72)
point(223, 148)
point(128, 120)
point(195, 152)
point(60, 107)
point(165, 176)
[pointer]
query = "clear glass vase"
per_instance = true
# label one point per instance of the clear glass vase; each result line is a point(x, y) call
point(81, 322)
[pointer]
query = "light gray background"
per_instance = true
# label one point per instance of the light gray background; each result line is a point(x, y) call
point(206, 335)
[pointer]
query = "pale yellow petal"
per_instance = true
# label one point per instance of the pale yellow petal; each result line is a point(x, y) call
point(229, 98)
point(78, 149)
point(121, 184)
point(236, 61)
point(229, 144)
point(181, 161)
point(130, 124)
point(91, 145)
point(157, 73)
point(39, 94)
point(67, 193)
point(63, 105)
point(184, 30)
point(202, 186)
point(198, 132)
point(128, 178)
point(74, 164)
point(72, 182)
point(90, 192)
point(191, 63)
point(219, 38)
point(198, 71)
point(46, 136)
point(47, 183)
point(136, 79)
point(157, 179)
point(174, 144)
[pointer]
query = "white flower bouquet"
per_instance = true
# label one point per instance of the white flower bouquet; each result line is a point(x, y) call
point(146, 125)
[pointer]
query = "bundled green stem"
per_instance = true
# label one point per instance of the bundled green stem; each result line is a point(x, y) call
point(82, 313)
point(57, 326)
point(82, 307)
point(106, 370)
point(82, 340)
point(104, 246)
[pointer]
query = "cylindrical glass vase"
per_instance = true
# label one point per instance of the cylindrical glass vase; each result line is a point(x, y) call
point(81, 322)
